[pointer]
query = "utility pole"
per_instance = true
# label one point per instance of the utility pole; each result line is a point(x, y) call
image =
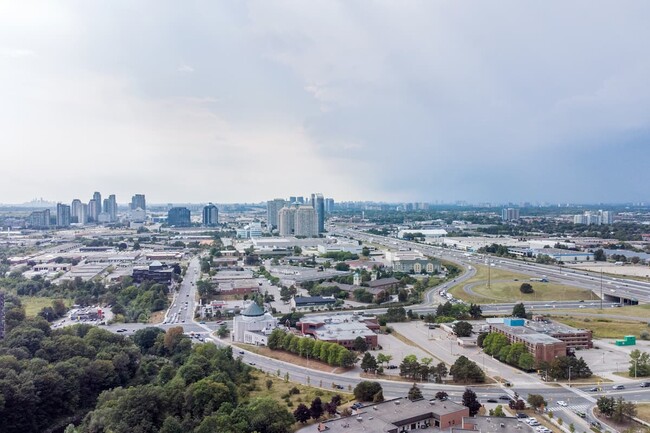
point(488, 263)
point(601, 287)
point(570, 375)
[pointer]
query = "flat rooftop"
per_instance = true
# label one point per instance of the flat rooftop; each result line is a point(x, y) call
point(527, 334)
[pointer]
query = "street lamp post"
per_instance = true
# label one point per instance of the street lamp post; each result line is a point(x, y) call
point(570, 375)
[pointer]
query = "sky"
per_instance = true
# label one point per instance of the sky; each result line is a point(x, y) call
point(244, 101)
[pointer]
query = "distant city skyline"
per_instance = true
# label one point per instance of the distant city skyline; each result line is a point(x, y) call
point(396, 102)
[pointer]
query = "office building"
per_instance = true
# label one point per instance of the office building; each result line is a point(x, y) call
point(138, 202)
point(272, 210)
point(2, 316)
point(329, 205)
point(510, 214)
point(39, 219)
point(210, 215)
point(286, 221)
point(97, 203)
point(179, 217)
point(318, 203)
point(62, 215)
point(305, 222)
point(156, 271)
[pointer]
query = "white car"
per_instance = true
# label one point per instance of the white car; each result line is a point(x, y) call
point(562, 403)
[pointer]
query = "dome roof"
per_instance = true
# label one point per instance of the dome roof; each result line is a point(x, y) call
point(253, 310)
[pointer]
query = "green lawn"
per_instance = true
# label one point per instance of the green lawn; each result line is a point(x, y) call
point(605, 328)
point(504, 287)
point(35, 304)
point(633, 311)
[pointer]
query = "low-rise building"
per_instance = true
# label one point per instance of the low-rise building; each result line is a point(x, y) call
point(342, 328)
point(253, 326)
point(412, 262)
point(156, 271)
point(301, 303)
point(238, 287)
point(543, 347)
point(399, 415)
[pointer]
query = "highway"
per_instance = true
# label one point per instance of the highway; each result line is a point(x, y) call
point(611, 287)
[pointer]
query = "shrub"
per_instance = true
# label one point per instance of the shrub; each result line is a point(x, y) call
point(644, 335)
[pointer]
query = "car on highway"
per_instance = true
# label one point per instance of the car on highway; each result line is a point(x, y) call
point(618, 387)
point(241, 352)
point(337, 386)
point(505, 397)
point(562, 403)
point(492, 400)
point(593, 389)
point(122, 330)
point(644, 384)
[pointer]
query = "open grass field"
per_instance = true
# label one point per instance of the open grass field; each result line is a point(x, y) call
point(504, 287)
point(35, 304)
point(605, 328)
point(633, 311)
point(279, 391)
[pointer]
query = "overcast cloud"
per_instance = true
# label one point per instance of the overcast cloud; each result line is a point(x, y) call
point(248, 100)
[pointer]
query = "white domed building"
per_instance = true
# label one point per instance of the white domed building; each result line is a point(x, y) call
point(253, 326)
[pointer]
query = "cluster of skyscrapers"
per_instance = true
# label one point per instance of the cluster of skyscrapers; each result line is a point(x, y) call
point(297, 216)
point(182, 217)
point(598, 218)
point(95, 211)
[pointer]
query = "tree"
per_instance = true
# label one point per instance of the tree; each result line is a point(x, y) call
point(439, 372)
point(639, 364)
point(441, 395)
point(368, 363)
point(475, 311)
point(223, 331)
point(384, 359)
point(463, 329)
point(360, 344)
point(526, 288)
point(265, 415)
point(519, 310)
point(410, 367)
point(415, 393)
point(623, 410)
point(466, 371)
point(365, 251)
point(536, 401)
point(599, 255)
point(316, 409)
point(365, 390)
point(498, 411)
point(471, 401)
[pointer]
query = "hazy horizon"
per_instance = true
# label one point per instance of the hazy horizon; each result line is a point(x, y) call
point(410, 101)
